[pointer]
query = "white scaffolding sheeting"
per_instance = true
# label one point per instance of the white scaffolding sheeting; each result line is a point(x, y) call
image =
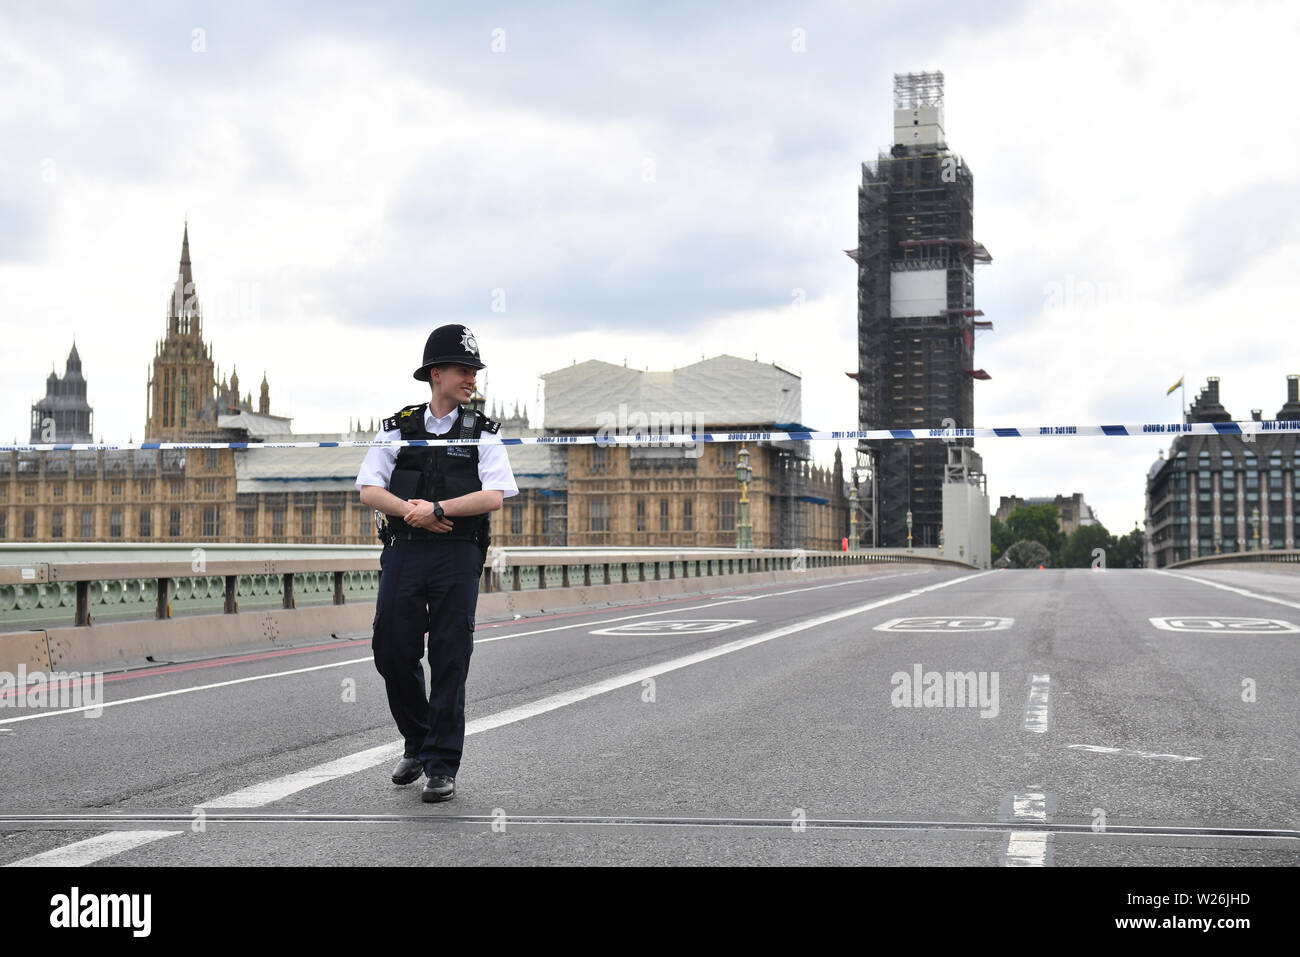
point(720, 391)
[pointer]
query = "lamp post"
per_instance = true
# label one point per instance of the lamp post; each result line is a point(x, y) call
point(909, 529)
point(853, 516)
point(941, 541)
point(1254, 523)
point(744, 531)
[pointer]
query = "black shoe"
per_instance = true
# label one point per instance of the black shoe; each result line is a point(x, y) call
point(440, 787)
point(407, 770)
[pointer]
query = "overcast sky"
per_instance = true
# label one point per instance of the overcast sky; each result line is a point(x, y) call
point(649, 184)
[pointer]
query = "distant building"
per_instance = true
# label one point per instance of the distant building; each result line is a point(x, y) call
point(1072, 510)
point(181, 495)
point(538, 515)
point(917, 320)
point(185, 400)
point(1221, 493)
point(621, 495)
point(64, 415)
point(966, 527)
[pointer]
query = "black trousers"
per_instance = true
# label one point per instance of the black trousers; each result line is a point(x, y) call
point(433, 587)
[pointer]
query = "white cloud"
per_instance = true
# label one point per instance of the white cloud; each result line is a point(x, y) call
point(345, 199)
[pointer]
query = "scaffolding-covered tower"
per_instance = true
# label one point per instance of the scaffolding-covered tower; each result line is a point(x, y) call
point(917, 319)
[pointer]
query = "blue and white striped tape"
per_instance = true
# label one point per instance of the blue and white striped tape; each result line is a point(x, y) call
point(1146, 429)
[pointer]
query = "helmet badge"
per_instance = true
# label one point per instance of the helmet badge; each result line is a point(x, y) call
point(468, 342)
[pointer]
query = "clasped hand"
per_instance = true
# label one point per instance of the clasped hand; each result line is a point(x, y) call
point(420, 515)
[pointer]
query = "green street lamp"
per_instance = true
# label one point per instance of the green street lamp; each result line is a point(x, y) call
point(744, 474)
point(853, 516)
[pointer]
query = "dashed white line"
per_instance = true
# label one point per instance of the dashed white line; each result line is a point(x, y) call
point(1029, 807)
point(1028, 848)
point(1038, 714)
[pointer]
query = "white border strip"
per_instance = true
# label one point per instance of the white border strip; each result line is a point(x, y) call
point(93, 849)
point(1238, 591)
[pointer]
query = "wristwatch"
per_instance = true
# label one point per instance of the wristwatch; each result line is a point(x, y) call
point(437, 510)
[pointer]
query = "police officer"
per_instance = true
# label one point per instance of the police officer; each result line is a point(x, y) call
point(437, 500)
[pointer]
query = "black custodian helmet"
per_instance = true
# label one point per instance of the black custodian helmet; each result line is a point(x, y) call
point(449, 344)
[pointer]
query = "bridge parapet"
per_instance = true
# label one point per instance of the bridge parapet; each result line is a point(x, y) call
point(1290, 556)
point(103, 605)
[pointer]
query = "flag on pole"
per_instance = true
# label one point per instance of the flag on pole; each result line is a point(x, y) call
point(1176, 385)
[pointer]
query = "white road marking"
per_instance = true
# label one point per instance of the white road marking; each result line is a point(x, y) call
point(714, 603)
point(1125, 752)
point(168, 694)
point(1029, 807)
point(267, 792)
point(1027, 848)
point(1218, 624)
point(278, 788)
point(1239, 591)
point(92, 849)
point(257, 795)
point(946, 624)
point(1038, 712)
point(680, 626)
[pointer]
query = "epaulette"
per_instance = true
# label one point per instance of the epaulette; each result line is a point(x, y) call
point(403, 417)
point(489, 425)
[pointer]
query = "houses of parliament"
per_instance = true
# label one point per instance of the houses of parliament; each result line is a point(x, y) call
point(583, 495)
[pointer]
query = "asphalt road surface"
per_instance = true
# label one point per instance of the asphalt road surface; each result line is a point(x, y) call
point(908, 716)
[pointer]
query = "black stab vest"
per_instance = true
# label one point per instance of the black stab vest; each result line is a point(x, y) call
point(437, 473)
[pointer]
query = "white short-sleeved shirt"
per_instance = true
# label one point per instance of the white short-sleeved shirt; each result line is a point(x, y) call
point(493, 464)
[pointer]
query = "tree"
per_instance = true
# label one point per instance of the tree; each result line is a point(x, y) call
point(1078, 550)
point(1026, 554)
point(1000, 537)
point(1129, 551)
point(1038, 523)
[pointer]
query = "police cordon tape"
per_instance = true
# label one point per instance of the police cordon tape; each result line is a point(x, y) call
point(1248, 430)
